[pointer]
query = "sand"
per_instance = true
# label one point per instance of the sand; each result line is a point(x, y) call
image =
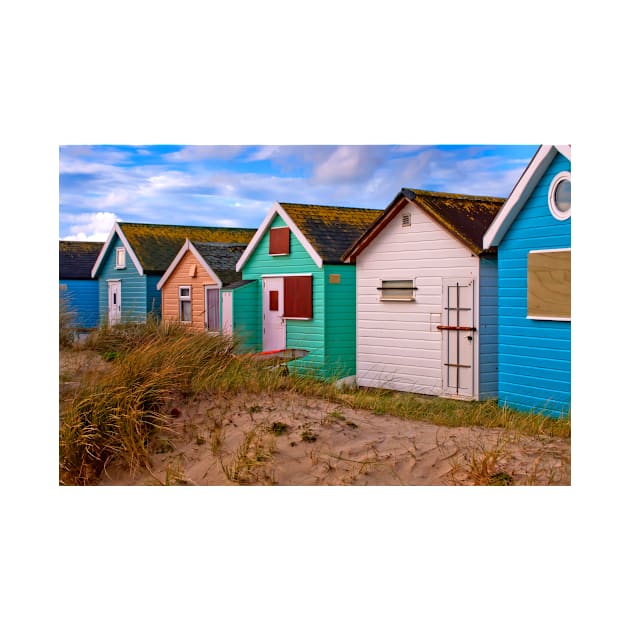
point(288, 439)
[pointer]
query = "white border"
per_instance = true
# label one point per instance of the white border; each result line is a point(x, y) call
point(188, 246)
point(555, 211)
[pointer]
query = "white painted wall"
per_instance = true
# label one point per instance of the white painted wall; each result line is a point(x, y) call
point(398, 344)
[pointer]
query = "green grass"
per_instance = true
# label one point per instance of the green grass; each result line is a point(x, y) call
point(121, 413)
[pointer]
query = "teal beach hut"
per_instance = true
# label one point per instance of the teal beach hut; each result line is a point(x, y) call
point(301, 293)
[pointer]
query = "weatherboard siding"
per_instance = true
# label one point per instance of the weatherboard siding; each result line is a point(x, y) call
point(304, 334)
point(534, 355)
point(246, 318)
point(398, 344)
point(82, 301)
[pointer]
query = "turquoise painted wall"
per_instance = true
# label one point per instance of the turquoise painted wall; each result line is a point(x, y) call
point(82, 299)
point(246, 316)
point(488, 328)
point(341, 319)
point(534, 355)
point(133, 287)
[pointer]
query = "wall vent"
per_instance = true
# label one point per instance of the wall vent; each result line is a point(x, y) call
point(406, 220)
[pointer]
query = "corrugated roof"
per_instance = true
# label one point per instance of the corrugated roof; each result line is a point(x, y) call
point(331, 229)
point(76, 259)
point(156, 245)
point(222, 258)
point(466, 216)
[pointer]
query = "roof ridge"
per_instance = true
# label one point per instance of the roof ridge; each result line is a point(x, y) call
point(448, 195)
point(171, 225)
point(319, 205)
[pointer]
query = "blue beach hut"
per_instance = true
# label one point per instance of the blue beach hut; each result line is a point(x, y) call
point(532, 234)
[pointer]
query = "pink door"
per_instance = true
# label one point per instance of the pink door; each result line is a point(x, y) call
point(274, 331)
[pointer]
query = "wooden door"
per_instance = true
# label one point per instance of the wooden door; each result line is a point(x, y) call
point(274, 332)
point(458, 337)
point(213, 321)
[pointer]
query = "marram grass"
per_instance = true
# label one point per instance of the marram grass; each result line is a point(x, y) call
point(117, 414)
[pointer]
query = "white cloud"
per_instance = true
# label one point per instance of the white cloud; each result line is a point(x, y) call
point(349, 163)
point(90, 226)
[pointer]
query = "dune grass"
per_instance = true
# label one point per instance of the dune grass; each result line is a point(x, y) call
point(119, 413)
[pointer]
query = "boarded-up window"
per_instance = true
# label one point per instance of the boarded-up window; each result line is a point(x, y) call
point(298, 296)
point(280, 241)
point(549, 284)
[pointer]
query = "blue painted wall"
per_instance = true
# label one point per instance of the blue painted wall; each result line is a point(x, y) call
point(488, 328)
point(133, 287)
point(534, 355)
point(82, 300)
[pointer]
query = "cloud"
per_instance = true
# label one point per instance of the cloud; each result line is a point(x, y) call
point(89, 226)
point(197, 153)
point(350, 164)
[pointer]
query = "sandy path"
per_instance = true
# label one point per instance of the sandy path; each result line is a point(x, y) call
point(288, 439)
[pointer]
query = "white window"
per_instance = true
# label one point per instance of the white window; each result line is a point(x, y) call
point(185, 309)
point(560, 196)
point(401, 290)
point(120, 258)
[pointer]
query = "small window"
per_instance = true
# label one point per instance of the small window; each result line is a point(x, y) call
point(298, 297)
point(560, 196)
point(120, 258)
point(549, 284)
point(406, 220)
point(279, 241)
point(273, 300)
point(185, 307)
point(402, 290)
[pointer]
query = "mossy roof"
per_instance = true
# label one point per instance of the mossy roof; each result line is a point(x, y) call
point(330, 229)
point(222, 258)
point(465, 216)
point(156, 245)
point(76, 259)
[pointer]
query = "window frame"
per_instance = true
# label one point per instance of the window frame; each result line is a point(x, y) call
point(123, 264)
point(551, 318)
point(384, 297)
point(561, 215)
point(182, 299)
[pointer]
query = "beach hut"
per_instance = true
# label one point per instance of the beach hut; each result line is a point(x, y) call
point(426, 296)
point(302, 292)
point(192, 283)
point(134, 258)
point(76, 286)
point(532, 234)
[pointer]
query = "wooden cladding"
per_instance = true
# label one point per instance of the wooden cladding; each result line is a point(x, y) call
point(549, 284)
point(298, 297)
point(279, 241)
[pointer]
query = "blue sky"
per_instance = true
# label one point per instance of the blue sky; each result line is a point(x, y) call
point(230, 185)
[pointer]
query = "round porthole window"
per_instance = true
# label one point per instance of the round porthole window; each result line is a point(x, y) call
point(560, 196)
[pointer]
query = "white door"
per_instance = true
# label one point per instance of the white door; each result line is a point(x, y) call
point(226, 312)
point(274, 333)
point(113, 301)
point(458, 337)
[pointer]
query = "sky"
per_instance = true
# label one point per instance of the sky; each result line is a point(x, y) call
point(236, 185)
